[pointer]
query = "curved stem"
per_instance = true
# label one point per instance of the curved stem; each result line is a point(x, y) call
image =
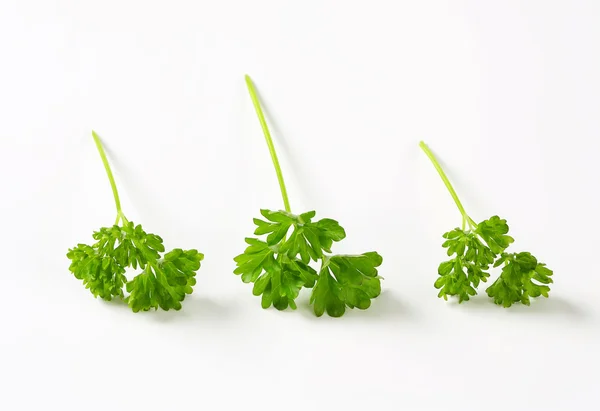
point(265, 128)
point(100, 148)
point(440, 171)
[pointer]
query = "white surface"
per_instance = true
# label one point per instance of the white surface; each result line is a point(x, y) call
point(506, 93)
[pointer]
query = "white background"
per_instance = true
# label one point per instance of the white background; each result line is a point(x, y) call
point(506, 93)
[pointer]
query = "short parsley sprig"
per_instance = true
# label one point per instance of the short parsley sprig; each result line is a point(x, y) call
point(164, 280)
point(279, 266)
point(476, 247)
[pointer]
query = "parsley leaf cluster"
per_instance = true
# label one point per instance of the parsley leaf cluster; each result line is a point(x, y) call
point(476, 248)
point(279, 266)
point(164, 280)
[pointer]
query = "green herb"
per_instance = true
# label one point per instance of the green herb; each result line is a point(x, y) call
point(163, 282)
point(279, 265)
point(475, 248)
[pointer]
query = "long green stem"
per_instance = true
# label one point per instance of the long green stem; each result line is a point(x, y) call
point(120, 214)
point(265, 128)
point(465, 216)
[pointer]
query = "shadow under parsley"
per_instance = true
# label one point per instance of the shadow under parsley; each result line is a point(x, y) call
point(194, 308)
point(387, 306)
point(551, 306)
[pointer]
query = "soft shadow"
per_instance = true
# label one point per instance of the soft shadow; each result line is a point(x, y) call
point(386, 307)
point(552, 306)
point(114, 304)
point(194, 309)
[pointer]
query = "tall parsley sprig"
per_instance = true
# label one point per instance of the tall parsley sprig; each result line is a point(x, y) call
point(280, 264)
point(475, 248)
point(164, 280)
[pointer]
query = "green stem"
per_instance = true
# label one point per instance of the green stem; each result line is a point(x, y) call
point(120, 215)
point(440, 171)
point(265, 128)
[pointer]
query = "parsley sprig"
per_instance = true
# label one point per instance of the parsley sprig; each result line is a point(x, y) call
point(164, 281)
point(475, 248)
point(280, 265)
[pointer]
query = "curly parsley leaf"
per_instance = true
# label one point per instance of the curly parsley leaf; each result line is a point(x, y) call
point(277, 278)
point(477, 247)
point(278, 267)
point(308, 239)
point(164, 282)
point(346, 281)
point(100, 273)
point(453, 281)
point(494, 232)
point(522, 277)
point(279, 286)
point(474, 251)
